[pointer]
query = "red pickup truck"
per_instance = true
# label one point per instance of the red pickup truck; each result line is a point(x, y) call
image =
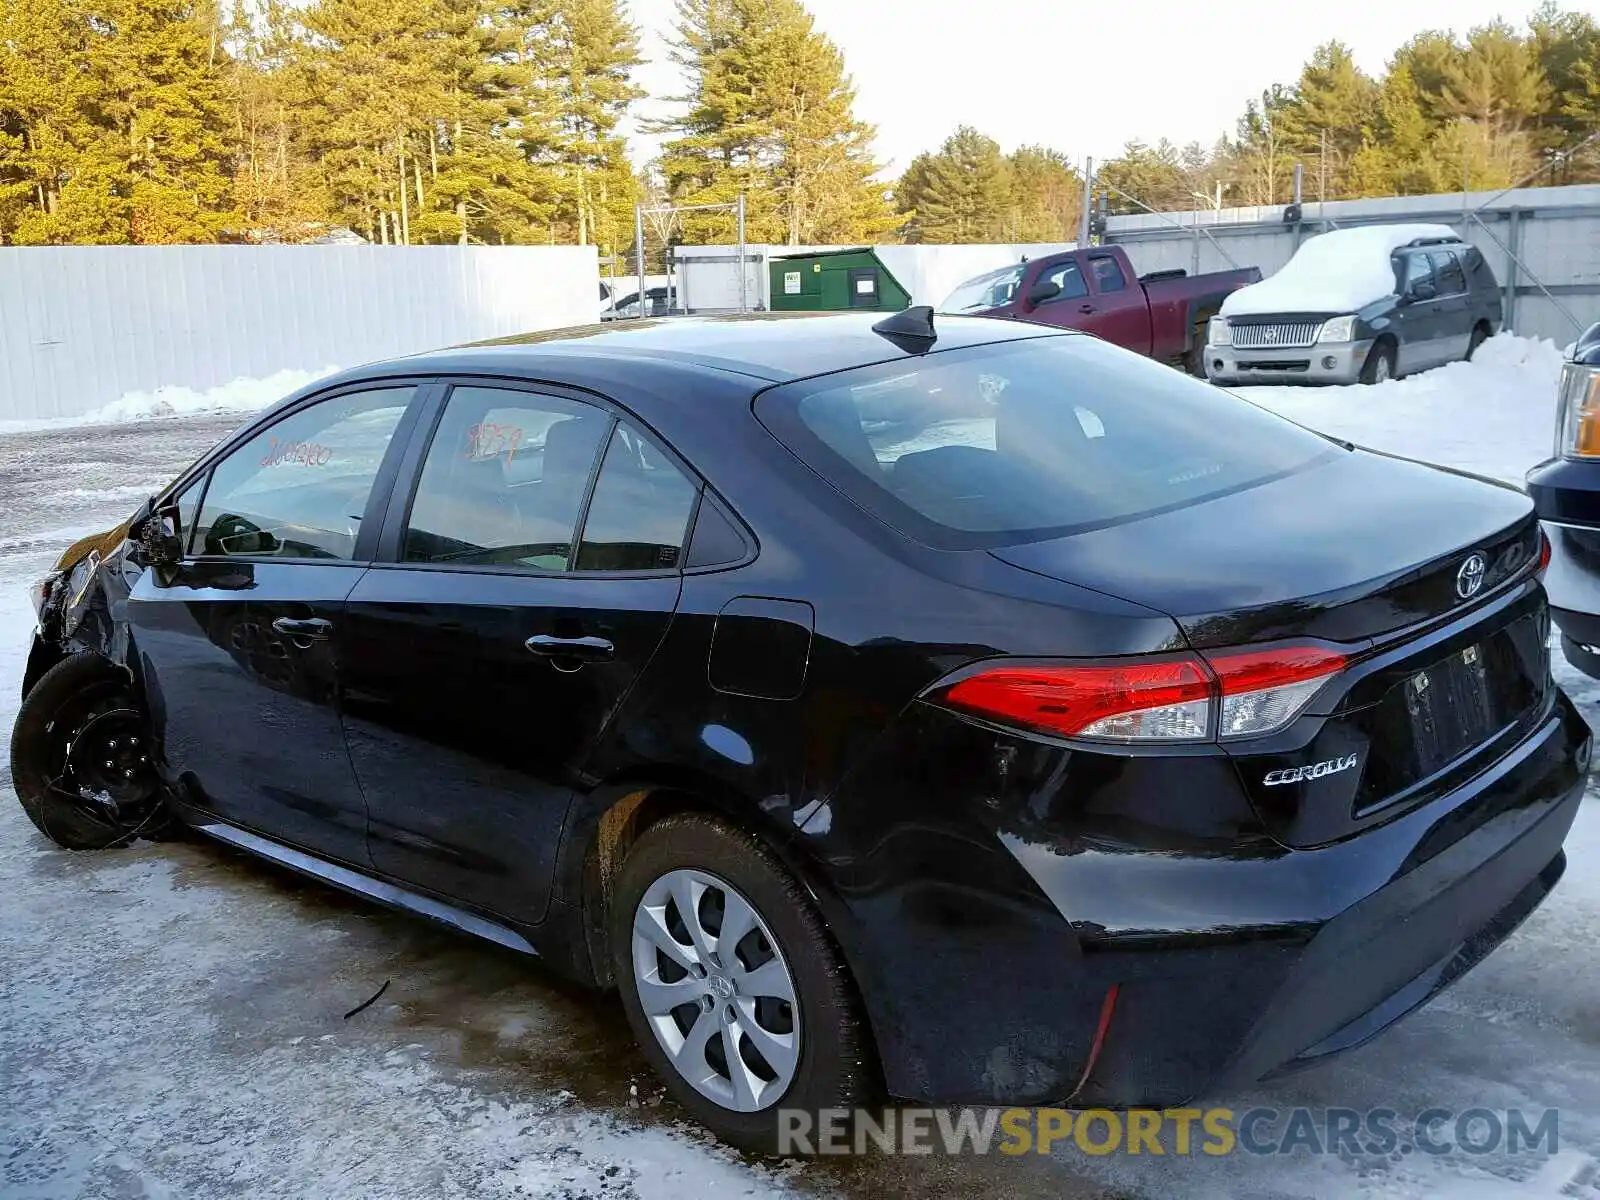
point(1162, 315)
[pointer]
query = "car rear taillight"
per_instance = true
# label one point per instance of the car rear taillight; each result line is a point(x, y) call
point(1159, 698)
point(1544, 554)
point(1263, 690)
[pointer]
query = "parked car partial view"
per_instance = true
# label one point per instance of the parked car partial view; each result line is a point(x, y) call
point(1566, 494)
point(1359, 305)
point(955, 710)
point(660, 299)
point(1163, 315)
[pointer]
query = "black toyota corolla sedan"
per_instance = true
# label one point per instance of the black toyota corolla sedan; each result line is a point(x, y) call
point(958, 712)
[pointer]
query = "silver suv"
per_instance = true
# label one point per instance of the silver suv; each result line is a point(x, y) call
point(1358, 305)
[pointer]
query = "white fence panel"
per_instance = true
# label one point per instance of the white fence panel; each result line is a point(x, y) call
point(82, 325)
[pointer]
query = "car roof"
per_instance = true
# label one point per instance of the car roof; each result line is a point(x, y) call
point(774, 348)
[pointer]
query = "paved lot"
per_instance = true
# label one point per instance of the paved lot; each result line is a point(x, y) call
point(171, 1016)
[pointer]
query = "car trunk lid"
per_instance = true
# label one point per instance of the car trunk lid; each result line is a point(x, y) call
point(1404, 568)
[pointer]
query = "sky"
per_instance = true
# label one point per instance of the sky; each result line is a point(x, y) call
point(1078, 77)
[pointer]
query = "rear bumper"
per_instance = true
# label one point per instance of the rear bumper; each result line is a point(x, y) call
point(1332, 363)
point(989, 892)
point(1408, 908)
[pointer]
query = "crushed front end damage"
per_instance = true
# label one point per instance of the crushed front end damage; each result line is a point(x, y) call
point(74, 603)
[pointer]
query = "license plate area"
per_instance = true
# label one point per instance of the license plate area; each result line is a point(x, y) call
point(1444, 711)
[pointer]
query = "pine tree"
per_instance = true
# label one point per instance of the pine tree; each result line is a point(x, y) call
point(1430, 58)
point(1396, 156)
point(164, 102)
point(1566, 46)
point(908, 190)
point(1262, 149)
point(1334, 104)
point(1495, 89)
point(46, 89)
point(1046, 196)
point(586, 51)
point(371, 74)
point(769, 114)
point(114, 121)
point(823, 167)
point(1145, 177)
point(961, 193)
point(277, 190)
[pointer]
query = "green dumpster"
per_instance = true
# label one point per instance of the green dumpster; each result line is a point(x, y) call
point(834, 281)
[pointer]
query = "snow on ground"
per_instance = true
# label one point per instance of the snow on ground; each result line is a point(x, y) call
point(238, 395)
point(171, 1016)
point(1494, 415)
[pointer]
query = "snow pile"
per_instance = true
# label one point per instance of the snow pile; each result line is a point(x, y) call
point(1494, 415)
point(1335, 272)
point(238, 395)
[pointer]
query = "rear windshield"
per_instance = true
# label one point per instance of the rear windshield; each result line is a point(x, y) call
point(1013, 442)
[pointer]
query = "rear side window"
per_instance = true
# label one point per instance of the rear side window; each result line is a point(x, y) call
point(640, 510)
point(1451, 279)
point(1013, 442)
point(1108, 274)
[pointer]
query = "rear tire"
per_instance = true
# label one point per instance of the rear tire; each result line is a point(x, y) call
point(1379, 367)
point(78, 734)
point(1194, 358)
point(1480, 335)
point(817, 1041)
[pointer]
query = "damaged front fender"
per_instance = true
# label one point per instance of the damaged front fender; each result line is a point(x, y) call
point(77, 608)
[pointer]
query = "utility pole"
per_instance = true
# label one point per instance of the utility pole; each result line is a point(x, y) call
point(1088, 201)
point(638, 244)
point(1322, 184)
point(743, 304)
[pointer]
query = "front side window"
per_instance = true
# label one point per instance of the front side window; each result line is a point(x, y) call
point(1418, 274)
point(1108, 275)
point(188, 505)
point(504, 480)
point(299, 488)
point(640, 510)
point(999, 444)
point(1068, 277)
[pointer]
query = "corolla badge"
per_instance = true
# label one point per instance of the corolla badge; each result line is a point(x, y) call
point(1328, 766)
point(1469, 579)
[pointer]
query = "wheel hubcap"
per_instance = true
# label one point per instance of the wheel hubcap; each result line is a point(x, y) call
point(716, 990)
point(1382, 373)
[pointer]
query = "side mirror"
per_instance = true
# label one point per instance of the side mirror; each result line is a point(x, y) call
point(1422, 290)
point(160, 537)
point(1042, 291)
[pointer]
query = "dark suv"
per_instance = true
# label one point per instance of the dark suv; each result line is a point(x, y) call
point(1358, 305)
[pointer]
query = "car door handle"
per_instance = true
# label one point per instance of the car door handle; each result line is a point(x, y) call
point(589, 649)
point(312, 629)
point(1086, 308)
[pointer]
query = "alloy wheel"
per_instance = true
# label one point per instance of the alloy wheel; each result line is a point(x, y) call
point(716, 990)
